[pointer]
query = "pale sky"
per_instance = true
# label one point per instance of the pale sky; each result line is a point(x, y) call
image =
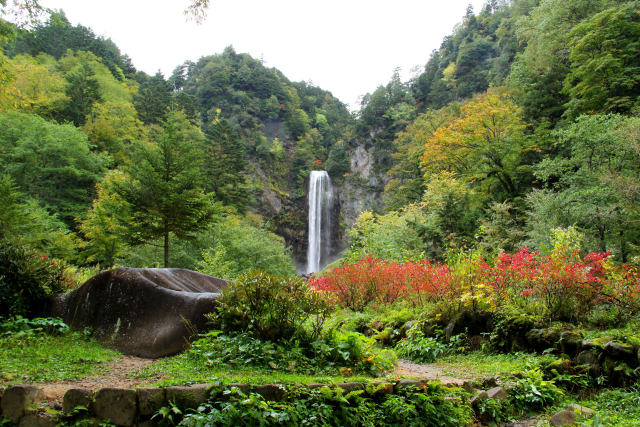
point(348, 47)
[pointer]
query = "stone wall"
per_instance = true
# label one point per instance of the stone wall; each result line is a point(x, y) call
point(21, 404)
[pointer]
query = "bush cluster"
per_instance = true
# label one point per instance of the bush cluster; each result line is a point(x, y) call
point(435, 405)
point(27, 279)
point(559, 283)
point(271, 307)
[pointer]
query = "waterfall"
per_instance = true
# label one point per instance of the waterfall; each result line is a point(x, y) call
point(320, 195)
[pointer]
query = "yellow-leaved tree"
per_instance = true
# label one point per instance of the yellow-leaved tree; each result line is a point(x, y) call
point(483, 146)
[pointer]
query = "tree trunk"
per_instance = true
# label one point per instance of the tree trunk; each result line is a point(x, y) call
point(166, 248)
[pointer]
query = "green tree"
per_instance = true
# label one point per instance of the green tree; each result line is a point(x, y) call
point(25, 223)
point(103, 227)
point(224, 166)
point(82, 90)
point(239, 247)
point(153, 99)
point(51, 163)
point(164, 192)
point(484, 145)
point(338, 162)
point(605, 62)
point(596, 183)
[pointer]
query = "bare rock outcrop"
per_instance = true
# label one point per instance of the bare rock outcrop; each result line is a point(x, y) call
point(150, 312)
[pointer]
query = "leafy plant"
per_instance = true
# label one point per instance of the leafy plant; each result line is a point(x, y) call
point(532, 392)
point(19, 326)
point(271, 307)
point(27, 279)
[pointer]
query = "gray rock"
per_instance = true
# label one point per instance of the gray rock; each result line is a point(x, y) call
point(150, 400)
point(583, 410)
point(620, 350)
point(189, 397)
point(143, 312)
point(17, 401)
point(563, 418)
point(570, 342)
point(43, 419)
point(590, 359)
point(77, 397)
point(118, 405)
point(497, 393)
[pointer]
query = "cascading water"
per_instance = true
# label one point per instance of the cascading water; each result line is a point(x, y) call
point(320, 197)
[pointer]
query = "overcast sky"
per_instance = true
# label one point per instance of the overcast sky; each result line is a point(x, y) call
point(348, 47)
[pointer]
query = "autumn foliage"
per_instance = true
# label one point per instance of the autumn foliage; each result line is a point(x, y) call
point(558, 280)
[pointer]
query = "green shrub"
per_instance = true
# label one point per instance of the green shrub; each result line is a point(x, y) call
point(329, 407)
point(349, 352)
point(20, 326)
point(533, 393)
point(26, 280)
point(420, 349)
point(271, 307)
point(352, 349)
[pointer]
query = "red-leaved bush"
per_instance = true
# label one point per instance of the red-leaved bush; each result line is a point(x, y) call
point(560, 281)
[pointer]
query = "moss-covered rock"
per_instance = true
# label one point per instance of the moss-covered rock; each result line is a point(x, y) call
point(570, 342)
point(560, 366)
point(595, 343)
point(621, 351)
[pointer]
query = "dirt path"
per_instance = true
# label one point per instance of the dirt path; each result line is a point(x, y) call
point(410, 369)
point(117, 374)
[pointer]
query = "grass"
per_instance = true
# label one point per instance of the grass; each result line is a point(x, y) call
point(480, 364)
point(46, 358)
point(184, 369)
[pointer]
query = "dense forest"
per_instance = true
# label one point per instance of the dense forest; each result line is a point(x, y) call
point(524, 121)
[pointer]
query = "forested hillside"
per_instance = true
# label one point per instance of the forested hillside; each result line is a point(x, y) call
point(522, 122)
point(117, 164)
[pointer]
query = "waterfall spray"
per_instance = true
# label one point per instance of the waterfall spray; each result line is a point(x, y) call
point(320, 196)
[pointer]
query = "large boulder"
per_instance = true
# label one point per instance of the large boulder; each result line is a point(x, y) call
point(148, 312)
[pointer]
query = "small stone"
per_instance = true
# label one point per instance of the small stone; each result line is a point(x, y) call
point(620, 350)
point(489, 382)
point(118, 405)
point(595, 343)
point(468, 387)
point(379, 388)
point(583, 410)
point(563, 418)
point(271, 392)
point(150, 400)
point(189, 397)
point(244, 388)
point(38, 420)
point(75, 397)
point(561, 366)
point(480, 395)
point(18, 399)
point(570, 342)
point(416, 384)
point(589, 358)
point(349, 387)
point(497, 393)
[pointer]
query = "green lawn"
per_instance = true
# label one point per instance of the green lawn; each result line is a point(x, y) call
point(480, 364)
point(45, 358)
point(184, 369)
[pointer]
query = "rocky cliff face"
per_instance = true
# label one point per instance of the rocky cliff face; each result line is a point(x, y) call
point(359, 191)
